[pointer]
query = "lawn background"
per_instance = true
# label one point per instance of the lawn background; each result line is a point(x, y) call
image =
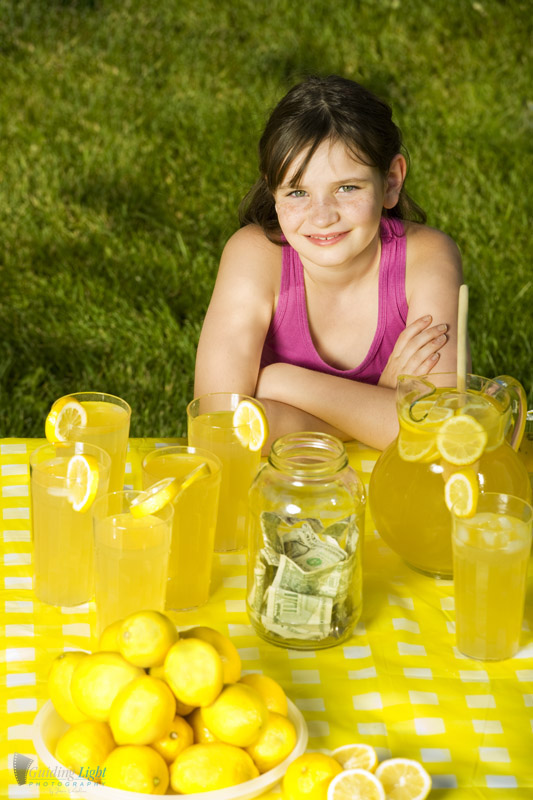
point(128, 133)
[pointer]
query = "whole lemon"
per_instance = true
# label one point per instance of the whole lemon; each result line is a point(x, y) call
point(201, 732)
point(237, 716)
point(308, 777)
point(276, 741)
point(179, 737)
point(181, 708)
point(270, 690)
point(145, 638)
point(136, 768)
point(207, 767)
point(109, 637)
point(59, 679)
point(193, 670)
point(231, 660)
point(97, 680)
point(142, 711)
point(84, 747)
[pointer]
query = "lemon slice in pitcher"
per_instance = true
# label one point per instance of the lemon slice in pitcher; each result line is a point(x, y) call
point(461, 492)
point(66, 413)
point(82, 481)
point(165, 491)
point(461, 440)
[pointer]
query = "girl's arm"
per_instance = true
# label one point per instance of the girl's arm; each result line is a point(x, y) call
point(238, 316)
point(367, 412)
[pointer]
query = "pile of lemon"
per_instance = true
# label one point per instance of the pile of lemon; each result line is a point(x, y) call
point(153, 709)
point(352, 772)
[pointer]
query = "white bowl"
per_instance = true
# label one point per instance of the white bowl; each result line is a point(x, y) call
point(48, 727)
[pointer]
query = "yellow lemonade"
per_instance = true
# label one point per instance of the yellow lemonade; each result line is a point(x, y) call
point(491, 553)
point(131, 560)
point(215, 431)
point(441, 435)
point(108, 425)
point(63, 550)
point(193, 528)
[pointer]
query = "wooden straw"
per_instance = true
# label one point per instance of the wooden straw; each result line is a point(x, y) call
point(462, 320)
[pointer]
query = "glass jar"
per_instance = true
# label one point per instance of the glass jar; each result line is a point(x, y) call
point(305, 533)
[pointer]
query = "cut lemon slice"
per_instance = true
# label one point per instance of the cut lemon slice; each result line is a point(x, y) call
point(461, 492)
point(356, 756)
point(356, 784)
point(416, 446)
point(82, 481)
point(165, 491)
point(461, 440)
point(65, 414)
point(251, 426)
point(404, 779)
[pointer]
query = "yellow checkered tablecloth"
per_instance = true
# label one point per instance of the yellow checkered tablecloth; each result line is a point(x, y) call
point(399, 683)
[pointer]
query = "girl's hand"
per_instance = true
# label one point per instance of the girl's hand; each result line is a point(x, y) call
point(416, 351)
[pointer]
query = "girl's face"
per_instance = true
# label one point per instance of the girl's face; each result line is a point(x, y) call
point(332, 216)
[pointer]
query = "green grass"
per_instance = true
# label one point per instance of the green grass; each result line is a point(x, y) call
point(129, 132)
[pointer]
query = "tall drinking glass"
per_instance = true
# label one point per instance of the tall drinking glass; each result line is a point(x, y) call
point(108, 427)
point(490, 560)
point(210, 426)
point(131, 557)
point(62, 536)
point(195, 517)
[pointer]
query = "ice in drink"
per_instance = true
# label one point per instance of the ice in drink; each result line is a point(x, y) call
point(212, 428)
point(63, 550)
point(131, 558)
point(108, 425)
point(195, 516)
point(491, 554)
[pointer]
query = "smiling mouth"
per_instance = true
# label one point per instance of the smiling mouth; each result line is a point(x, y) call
point(326, 239)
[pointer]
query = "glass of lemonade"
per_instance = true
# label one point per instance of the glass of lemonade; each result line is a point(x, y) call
point(62, 536)
point(211, 427)
point(108, 427)
point(131, 557)
point(490, 557)
point(195, 516)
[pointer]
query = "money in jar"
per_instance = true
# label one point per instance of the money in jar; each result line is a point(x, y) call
point(305, 537)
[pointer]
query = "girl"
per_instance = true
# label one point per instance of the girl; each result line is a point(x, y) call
point(333, 286)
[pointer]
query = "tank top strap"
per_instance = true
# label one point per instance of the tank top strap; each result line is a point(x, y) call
point(392, 268)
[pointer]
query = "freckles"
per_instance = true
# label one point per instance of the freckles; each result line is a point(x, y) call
point(290, 211)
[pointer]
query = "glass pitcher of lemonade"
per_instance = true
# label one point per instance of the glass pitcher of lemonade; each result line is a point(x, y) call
point(450, 441)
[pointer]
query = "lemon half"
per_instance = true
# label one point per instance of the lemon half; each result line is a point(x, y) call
point(404, 778)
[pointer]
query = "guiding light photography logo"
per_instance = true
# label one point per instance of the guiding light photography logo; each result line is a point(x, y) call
point(58, 778)
point(21, 766)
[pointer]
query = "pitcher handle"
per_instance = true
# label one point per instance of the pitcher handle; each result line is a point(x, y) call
point(518, 409)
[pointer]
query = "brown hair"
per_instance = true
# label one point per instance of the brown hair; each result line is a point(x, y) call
point(310, 113)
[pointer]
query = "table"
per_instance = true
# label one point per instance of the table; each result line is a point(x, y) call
point(398, 683)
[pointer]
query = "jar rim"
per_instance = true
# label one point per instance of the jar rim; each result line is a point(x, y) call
point(309, 453)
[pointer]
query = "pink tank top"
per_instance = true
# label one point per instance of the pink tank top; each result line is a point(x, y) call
point(289, 340)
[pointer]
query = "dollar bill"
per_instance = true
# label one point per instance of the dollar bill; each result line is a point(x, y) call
point(297, 615)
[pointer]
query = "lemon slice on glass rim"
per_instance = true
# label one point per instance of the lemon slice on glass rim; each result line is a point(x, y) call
point(66, 413)
point(251, 426)
point(83, 475)
point(165, 491)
